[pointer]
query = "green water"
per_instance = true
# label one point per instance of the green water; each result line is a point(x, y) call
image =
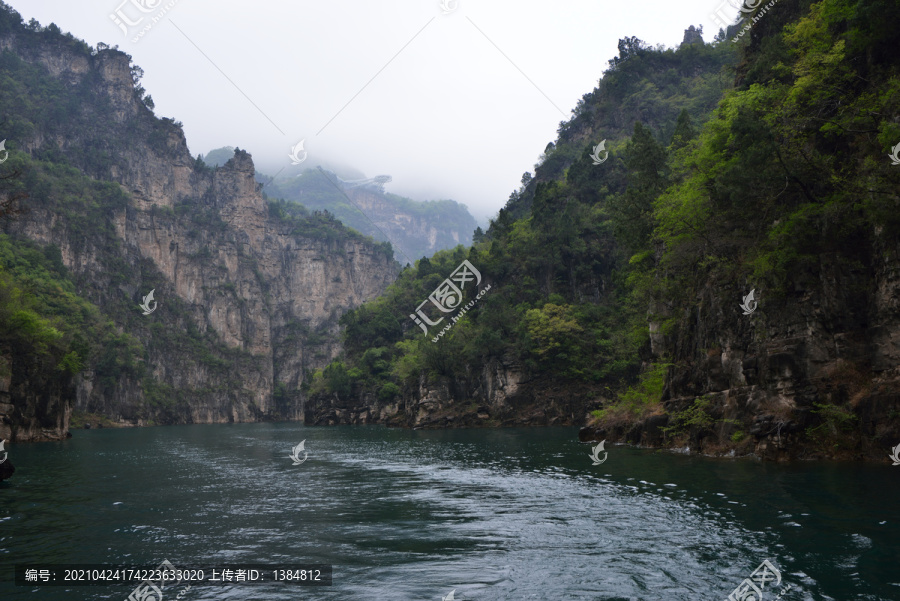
point(494, 514)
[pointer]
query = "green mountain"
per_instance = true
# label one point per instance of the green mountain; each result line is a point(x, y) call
point(619, 284)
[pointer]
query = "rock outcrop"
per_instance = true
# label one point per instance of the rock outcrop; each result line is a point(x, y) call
point(692, 36)
point(35, 403)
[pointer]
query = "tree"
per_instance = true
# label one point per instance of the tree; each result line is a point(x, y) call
point(136, 74)
point(632, 211)
point(628, 48)
point(338, 379)
point(526, 177)
point(684, 131)
point(555, 336)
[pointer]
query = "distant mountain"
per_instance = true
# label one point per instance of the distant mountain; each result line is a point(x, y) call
point(415, 229)
point(219, 156)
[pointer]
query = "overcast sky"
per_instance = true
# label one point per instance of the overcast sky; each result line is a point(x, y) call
point(454, 105)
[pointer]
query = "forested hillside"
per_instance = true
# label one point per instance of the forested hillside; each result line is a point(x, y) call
point(616, 285)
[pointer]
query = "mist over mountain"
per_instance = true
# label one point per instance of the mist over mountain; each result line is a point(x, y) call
point(415, 229)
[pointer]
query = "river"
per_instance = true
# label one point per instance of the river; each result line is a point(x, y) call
point(413, 515)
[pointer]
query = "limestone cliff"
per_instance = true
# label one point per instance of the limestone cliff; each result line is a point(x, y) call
point(248, 294)
point(811, 368)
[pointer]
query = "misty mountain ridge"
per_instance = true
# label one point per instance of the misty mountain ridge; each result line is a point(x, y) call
point(414, 228)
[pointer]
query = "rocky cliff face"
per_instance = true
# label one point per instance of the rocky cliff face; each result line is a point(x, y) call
point(415, 236)
point(247, 299)
point(33, 405)
point(499, 394)
point(812, 373)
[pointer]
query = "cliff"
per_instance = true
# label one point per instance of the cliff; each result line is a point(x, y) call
point(811, 373)
point(249, 292)
point(34, 404)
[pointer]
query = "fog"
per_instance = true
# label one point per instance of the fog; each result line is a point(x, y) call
point(456, 105)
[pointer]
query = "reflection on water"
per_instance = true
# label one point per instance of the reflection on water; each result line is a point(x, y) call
point(494, 514)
